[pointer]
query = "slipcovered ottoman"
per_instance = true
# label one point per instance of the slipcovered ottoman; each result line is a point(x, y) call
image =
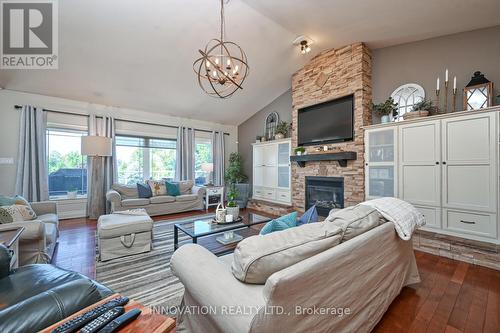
point(123, 234)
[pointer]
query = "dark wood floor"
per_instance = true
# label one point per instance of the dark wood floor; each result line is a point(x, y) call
point(453, 296)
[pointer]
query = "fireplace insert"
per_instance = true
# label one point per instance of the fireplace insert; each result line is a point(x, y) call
point(326, 193)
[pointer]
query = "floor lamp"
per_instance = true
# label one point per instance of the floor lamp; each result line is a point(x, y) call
point(96, 147)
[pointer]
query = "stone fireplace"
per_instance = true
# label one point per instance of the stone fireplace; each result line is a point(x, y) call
point(348, 70)
point(326, 193)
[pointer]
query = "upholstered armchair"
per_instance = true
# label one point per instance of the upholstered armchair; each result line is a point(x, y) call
point(39, 238)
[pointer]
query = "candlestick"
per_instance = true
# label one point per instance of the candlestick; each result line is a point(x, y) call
point(446, 76)
point(437, 84)
point(454, 96)
point(445, 97)
point(437, 100)
point(455, 83)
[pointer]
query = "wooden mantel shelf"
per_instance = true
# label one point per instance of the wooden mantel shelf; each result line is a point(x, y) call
point(341, 157)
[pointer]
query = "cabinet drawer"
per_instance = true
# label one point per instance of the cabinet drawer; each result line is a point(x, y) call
point(283, 196)
point(258, 192)
point(472, 223)
point(432, 216)
point(214, 191)
point(269, 194)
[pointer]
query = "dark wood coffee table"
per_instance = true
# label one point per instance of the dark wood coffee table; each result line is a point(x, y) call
point(204, 232)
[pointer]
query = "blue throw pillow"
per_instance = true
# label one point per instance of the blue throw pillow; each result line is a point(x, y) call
point(144, 191)
point(173, 189)
point(281, 223)
point(310, 216)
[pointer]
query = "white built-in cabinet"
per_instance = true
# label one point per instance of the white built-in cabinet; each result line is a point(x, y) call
point(446, 165)
point(271, 171)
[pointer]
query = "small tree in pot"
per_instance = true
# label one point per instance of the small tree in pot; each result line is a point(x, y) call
point(234, 175)
point(386, 110)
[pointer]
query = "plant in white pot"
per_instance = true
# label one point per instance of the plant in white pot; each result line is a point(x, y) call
point(300, 151)
point(282, 130)
point(386, 110)
point(72, 193)
point(232, 207)
point(234, 175)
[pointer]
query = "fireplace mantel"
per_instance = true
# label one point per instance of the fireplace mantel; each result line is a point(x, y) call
point(341, 158)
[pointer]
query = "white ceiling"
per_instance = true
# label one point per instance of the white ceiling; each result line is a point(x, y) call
point(139, 54)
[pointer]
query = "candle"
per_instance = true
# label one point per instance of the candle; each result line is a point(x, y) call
point(437, 84)
point(446, 75)
point(454, 82)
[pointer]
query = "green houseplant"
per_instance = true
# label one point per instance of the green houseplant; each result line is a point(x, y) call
point(299, 150)
point(421, 109)
point(282, 130)
point(234, 176)
point(386, 110)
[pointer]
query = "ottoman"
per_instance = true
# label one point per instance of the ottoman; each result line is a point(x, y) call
point(120, 235)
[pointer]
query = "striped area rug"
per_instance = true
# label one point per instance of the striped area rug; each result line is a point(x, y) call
point(146, 277)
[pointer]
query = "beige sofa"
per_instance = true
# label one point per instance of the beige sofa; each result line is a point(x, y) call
point(359, 277)
point(124, 197)
point(39, 238)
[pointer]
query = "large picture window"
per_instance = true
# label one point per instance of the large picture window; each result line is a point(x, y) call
point(66, 166)
point(203, 156)
point(140, 158)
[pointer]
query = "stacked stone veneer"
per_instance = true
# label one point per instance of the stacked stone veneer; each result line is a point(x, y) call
point(349, 70)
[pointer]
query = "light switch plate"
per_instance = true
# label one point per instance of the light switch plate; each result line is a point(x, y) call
point(6, 160)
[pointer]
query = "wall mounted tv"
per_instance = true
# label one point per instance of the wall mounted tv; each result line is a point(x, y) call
point(328, 122)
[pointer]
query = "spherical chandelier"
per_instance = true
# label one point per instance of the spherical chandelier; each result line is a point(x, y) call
point(223, 65)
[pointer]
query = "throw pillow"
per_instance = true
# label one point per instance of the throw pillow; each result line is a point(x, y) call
point(172, 189)
point(16, 213)
point(185, 186)
point(17, 200)
point(144, 191)
point(310, 216)
point(157, 187)
point(281, 223)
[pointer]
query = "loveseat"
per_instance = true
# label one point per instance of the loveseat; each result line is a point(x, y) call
point(39, 238)
point(343, 280)
point(36, 296)
point(124, 197)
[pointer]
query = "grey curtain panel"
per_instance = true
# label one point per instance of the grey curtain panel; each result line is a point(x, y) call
point(101, 170)
point(32, 175)
point(184, 166)
point(218, 157)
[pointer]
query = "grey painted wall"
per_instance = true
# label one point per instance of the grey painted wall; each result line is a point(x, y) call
point(422, 62)
point(254, 126)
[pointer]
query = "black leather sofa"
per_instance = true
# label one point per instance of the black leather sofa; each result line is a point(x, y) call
point(34, 297)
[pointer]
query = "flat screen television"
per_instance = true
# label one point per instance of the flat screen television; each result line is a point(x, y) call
point(328, 122)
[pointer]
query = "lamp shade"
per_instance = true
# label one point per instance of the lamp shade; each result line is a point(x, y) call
point(207, 167)
point(97, 146)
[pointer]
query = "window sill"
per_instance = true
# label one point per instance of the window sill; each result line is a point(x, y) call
point(65, 198)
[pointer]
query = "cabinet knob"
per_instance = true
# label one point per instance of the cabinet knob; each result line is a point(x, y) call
point(444, 162)
point(366, 164)
point(437, 163)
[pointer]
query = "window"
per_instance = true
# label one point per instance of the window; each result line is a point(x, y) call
point(203, 161)
point(140, 158)
point(406, 96)
point(66, 166)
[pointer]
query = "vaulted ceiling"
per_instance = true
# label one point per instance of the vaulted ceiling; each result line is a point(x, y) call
point(139, 54)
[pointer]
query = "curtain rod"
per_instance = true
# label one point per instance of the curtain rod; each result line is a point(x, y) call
point(120, 119)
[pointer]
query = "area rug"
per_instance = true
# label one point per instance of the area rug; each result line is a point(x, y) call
point(147, 277)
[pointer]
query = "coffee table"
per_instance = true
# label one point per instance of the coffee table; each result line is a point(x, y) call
point(204, 232)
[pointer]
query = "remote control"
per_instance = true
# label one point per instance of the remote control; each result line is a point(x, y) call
point(101, 321)
point(120, 321)
point(74, 324)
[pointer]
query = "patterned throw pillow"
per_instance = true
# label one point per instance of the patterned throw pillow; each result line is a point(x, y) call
point(172, 189)
point(157, 187)
point(281, 223)
point(16, 213)
point(144, 191)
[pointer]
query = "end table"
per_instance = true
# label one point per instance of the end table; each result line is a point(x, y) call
point(10, 238)
point(214, 195)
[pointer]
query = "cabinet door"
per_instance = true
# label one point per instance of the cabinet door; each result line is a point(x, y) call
point(270, 154)
point(258, 155)
point(284, 153)
point(258, 175)
point(380, 182)
point(381, 175)
point(270, 178)
point(284, 165)
point(419, 163)
point(381, 145)
point(469, 180)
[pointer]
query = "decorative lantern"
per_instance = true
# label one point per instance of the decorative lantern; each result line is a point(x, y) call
point(478, 93)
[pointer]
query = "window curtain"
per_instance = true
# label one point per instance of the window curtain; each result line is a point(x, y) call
point(218, 157)
point(102, 170)
point(185, 152)
point(32, 175)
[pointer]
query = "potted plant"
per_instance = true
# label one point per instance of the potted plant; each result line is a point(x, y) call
point(235, 178)
point(72, 192)
point(281, 130)
point(421, 109)
point(299, 151)
point(386, 110)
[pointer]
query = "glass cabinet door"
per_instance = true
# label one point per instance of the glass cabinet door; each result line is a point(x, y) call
point(284, 165)
point(284, 153)
point(284, 176)
point(381, 181)
point(381, 146)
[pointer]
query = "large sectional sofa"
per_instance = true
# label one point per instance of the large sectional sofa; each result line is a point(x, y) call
point(124, 197)
point(340, 275)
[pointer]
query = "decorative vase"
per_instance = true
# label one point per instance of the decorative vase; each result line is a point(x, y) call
point(235, 211)
point(279, 136)
point(385, 119)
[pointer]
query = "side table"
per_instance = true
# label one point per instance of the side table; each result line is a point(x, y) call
point(10, 238)
point(214, 195)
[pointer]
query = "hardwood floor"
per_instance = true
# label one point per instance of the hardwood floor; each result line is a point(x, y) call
point(453, 296)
